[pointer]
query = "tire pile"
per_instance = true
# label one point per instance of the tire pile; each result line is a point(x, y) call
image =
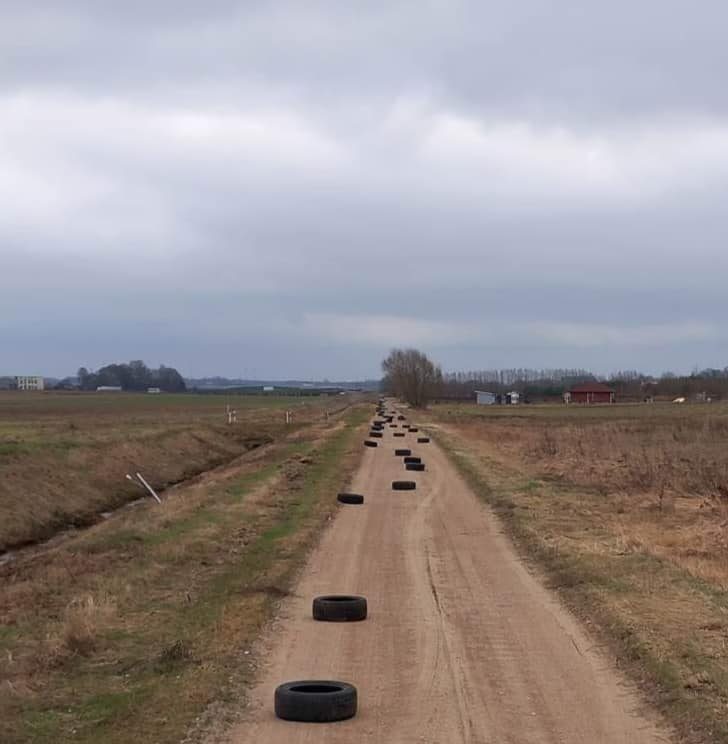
point(326, 701)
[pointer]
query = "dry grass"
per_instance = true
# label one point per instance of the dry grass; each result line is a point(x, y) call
point(79, 632)
point(684, 456)
point(661, 477)
point(63, 457)
point(84, 618)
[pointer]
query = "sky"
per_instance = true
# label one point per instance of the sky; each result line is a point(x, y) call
point(290, 189)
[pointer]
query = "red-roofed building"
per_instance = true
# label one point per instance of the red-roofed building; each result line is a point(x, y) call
point(590, 392)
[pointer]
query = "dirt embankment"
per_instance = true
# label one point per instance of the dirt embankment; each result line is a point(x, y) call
point(51, 486)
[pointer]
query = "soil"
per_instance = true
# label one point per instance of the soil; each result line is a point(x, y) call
point(462, 642)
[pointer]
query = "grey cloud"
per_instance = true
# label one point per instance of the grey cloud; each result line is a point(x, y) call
point(302, 185)
point(614, 58)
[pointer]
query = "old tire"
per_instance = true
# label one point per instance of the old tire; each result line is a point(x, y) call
point(419, 466)
point(413, 429)
point(401, 418)
point(402, 452)
point(338, 608)
point(370, 443)
point(315, 701)
point(403, 485)
point(398, 433)
point(350, 498)
point(410, 458)
point(376, 434)
point(423, 440)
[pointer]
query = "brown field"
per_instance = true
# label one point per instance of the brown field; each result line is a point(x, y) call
point(63, 457)
point(130, 629)
point(146, 625)
point(627, 509)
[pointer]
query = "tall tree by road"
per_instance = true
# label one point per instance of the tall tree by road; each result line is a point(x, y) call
point(410, 375)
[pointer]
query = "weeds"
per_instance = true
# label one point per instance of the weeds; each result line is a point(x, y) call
point(84, 619)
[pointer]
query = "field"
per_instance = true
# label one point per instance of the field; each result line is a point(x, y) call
point(626, 507)
point(153, 622)
point(64, 457)
point(131, 627)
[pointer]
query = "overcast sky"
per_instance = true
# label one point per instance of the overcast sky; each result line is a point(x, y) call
point(288, 189)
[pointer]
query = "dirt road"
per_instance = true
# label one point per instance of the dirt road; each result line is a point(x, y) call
point(462, 644)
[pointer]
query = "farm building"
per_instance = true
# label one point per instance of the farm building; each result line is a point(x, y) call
point(29, 382)
point(590, 392)
point(512, 398)
point(483, 398)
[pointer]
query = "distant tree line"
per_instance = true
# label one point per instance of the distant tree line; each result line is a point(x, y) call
point(134, 375)
point(536, 383)
point(540, 384)
point(411, 376)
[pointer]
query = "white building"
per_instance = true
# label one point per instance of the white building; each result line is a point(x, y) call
point(29, 382)
point(483, 398)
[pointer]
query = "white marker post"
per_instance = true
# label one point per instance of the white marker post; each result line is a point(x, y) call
point(148, 487)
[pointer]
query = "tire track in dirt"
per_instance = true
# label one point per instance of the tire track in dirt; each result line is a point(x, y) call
point(462, 643)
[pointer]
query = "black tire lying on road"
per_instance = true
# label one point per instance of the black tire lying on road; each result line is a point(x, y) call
point(398, 433)
point(350, 498)
point(411, 458)
point(401, 418)
point(423, 440)
point(420, 466)
point(339, 608)
point(402, 452)
point(315, 701)
point(413, 429)
point(376, 434)
point(370, 443)
point(403, 485)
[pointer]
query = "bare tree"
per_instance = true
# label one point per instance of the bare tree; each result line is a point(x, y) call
point(410, 375)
